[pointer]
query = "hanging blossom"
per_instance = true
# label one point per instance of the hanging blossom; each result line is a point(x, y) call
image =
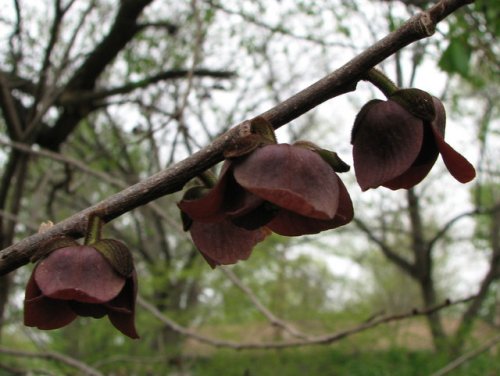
point(396, 142)
point(287, 189)
point(93, 280)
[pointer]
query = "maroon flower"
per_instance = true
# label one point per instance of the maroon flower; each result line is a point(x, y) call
point(80, 280)
point(283, 188)
point(396, 142)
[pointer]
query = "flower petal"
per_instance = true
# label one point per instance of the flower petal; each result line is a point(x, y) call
point(409, 178)
point(223, 243)
point(459, 167)
point(124, 322)
point(209, 208)
point(45, 313)
point(291, 177)
point(88, 309)
point(78, 273)
point(250, 211)
point(122, 309)
point(421, 167)
point(125, 301)
point(386, 141)
point(287, 223)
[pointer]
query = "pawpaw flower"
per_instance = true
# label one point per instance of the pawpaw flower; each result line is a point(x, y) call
point(72, 280)
point(287, 189)
point(396, 142)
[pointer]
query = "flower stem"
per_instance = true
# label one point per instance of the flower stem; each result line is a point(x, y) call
point(94, 228)
point(381, 81)
point(208, 179)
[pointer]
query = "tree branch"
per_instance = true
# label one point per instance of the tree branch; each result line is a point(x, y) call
point(492, 275)
point(10, 109)
point(51, 355)
point(468, 356)
point(75, 97)
point(124, 28)
point(174, 177)
point(309, 341)
point(275, 321)
point(448, 225)
point(404, 264)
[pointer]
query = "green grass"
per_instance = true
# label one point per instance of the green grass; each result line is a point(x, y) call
point(335, 362)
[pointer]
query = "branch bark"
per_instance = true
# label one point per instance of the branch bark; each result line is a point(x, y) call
point(174, 177)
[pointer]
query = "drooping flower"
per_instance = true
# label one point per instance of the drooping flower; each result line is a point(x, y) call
point(396, 142)
point(287, 189)
point(72, 280)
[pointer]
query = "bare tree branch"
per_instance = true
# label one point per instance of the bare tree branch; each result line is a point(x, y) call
point(309, 341)
point(14, 218)
point(74, 97)
point(51, 355)
point(10, 110)
point(448, 225)
point(279, 29)
point(124, 28)
point(468, 356)
point(174, 177)
point(492, 275)
point(404, 264)
point(118, 183)
point(277, 322)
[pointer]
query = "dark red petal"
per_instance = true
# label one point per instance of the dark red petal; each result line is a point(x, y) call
point(223, 243)
point(88, 310)
point(125, 301)
point(210, 207)
point(422, 165)
point(291, 177)
point(78, 273)
point(387, 141)
point(45, 313)
point(459, 167)
point(287, 223)
point(249, 211)
point(256, 218)
point(409, 178)
point(124, 322)
point(122, 309)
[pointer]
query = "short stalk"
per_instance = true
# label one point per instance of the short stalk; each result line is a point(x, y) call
point(381, 81)
point(94, 229)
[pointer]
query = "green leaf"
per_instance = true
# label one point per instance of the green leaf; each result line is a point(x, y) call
point(456, 57)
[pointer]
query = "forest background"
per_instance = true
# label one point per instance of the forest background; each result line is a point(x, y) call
point(98, 95)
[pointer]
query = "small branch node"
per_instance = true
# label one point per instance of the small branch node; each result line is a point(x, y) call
point(426, 24)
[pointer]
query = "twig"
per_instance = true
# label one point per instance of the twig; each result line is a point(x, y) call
point(94, 96)
point(275, 321)
point(309, 341)
point(118, 183)
point(51, 355)
point(174, 177)
point(15, 218)
point(468, 356)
